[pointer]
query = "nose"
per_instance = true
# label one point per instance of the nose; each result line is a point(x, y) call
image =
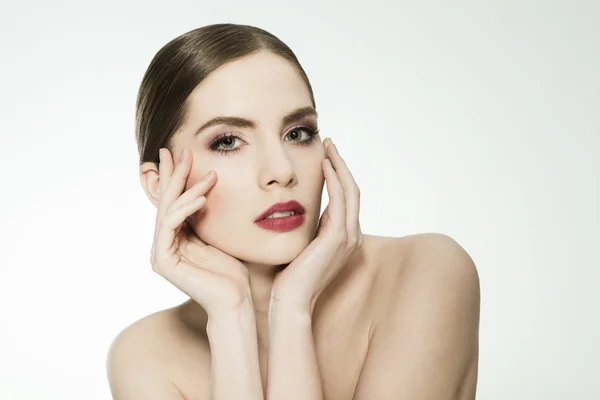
point(276, 168)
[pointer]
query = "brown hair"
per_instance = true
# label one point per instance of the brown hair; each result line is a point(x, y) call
point(178, 67)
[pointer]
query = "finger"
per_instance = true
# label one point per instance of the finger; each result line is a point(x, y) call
point(195, 282)
point(191, 235)
point(176, 181)
point(337, 198)
point(351, 189)
point(169, 225)
point(199, 189)
point(165, 167)
point(324, 218)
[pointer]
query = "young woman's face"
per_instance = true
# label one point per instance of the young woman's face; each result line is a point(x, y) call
point(275, 158)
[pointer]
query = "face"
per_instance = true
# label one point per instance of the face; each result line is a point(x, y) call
point(275, 157)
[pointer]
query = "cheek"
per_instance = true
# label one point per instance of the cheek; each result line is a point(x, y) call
point(314, 173)
point(225, 200)
point(196, 175)
point(211, 222)
point(221, 197)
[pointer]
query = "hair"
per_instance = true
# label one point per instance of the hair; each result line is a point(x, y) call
point(178, 67)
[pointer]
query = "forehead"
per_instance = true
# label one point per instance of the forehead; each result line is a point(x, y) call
point(261, 86)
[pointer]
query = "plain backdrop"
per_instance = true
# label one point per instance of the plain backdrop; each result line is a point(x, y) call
point(476, 119)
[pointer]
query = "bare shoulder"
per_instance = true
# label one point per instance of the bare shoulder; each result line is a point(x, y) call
point(146, 358)
point(425, 337)
point(438, 261)
point(431, 263)
point(399, 261)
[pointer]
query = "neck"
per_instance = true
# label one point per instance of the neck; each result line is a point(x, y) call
point(261, 282)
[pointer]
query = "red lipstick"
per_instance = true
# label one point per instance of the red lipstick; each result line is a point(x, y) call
point(285, 223)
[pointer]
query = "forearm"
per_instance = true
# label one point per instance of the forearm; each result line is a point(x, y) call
point(293, 371)
point(235, 372)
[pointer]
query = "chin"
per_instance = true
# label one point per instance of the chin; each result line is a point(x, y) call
point(280, 257)
point(258, 246)
point(276, 251)
point(283, 253)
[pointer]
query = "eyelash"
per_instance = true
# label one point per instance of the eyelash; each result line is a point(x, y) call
point(312, 132)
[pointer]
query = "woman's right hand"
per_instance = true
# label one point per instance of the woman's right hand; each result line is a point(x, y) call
point(215, 280)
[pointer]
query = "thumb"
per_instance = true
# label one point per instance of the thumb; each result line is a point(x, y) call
point(324, 217)
point(190, 234)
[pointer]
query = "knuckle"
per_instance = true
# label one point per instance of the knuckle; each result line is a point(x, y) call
point(201, 186)
point(180, 172)
point(343, 240)
point(352, 242)
point(166, 187)
point(360, 241)
point(340, 231)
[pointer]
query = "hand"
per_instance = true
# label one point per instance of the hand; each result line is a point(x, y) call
point(338, 236)
point(214, 279)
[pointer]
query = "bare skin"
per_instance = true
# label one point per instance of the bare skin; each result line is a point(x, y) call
point(377, 282)
point(319, 312)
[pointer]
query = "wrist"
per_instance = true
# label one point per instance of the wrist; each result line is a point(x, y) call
point(231, 318)
point(292, 308)
point(293, 301)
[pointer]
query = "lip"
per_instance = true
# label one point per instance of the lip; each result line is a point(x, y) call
point(291, 205)
point(281, 224)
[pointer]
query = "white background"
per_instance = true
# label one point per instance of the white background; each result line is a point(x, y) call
point(480, 120)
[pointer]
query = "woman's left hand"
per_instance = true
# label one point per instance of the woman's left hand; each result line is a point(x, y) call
point(338, 236)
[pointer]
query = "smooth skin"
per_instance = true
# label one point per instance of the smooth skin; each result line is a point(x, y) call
point(297, 288)
point(352, 316)
point(398, 321)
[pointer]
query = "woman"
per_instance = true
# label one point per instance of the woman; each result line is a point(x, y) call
point(232, 158)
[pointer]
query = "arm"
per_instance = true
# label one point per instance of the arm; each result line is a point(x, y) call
point(235, 372)
point(425, 345)
point(293, 371)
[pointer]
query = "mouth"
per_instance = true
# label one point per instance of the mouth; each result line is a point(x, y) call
point(282, 217)
point(282, 210)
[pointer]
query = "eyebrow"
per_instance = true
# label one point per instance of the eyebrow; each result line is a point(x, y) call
point(239, 122)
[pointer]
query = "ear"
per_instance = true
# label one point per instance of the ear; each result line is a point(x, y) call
point(150, 180)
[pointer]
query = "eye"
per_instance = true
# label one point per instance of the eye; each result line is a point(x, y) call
point(302, 134)
point(225, 143)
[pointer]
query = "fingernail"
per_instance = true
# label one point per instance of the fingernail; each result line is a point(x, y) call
point(210, 174)
point(335, 149)
point(160, 154)
point(181, 156)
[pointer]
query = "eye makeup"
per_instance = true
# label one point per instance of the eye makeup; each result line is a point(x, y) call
point(304, 136)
